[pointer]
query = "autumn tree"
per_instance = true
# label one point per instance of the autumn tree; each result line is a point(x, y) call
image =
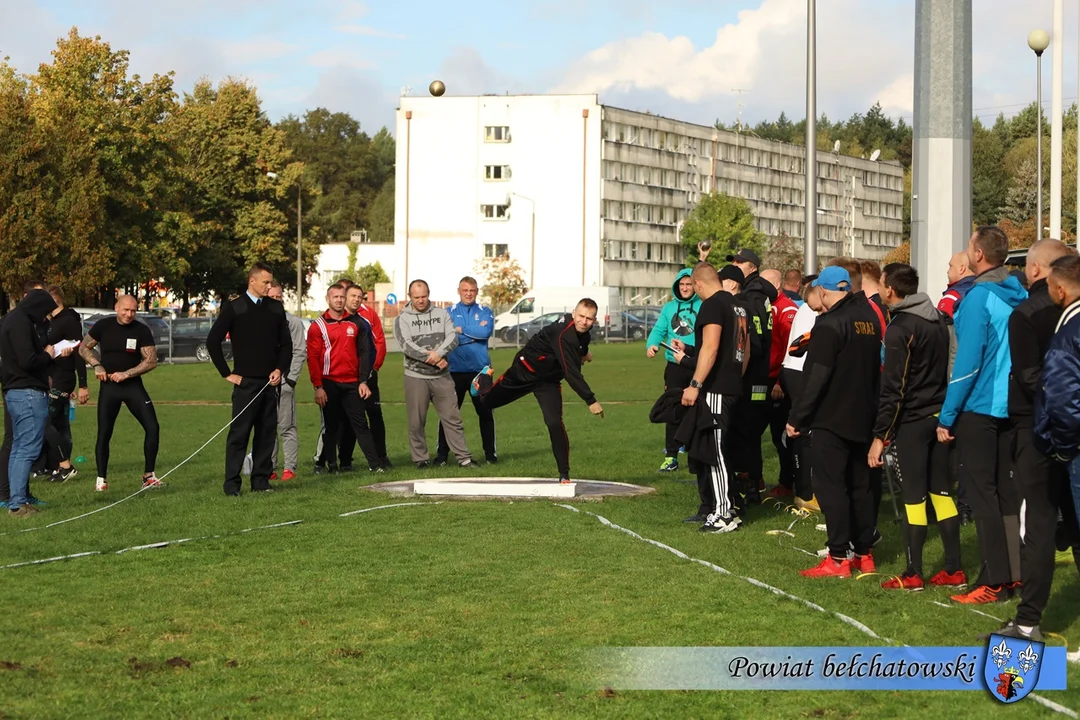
point(727, 222)
point(502, 281)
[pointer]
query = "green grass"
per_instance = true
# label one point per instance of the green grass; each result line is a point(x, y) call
point(482, 608)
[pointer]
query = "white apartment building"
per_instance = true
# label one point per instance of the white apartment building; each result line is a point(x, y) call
point(584, 194)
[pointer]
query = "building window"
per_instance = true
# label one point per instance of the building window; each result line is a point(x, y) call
point(495, 212)
point(495, 250)
point(497, 133)
point(496, 172)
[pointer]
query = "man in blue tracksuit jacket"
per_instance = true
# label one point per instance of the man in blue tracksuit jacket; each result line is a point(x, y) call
point(474, 324)
point(676, 322)
point(976, 414)
point(1057, 400)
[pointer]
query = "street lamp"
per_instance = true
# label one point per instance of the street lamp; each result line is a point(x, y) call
point(532, 237)
point(1038, 41)
point(843, 223)
point(299, 245)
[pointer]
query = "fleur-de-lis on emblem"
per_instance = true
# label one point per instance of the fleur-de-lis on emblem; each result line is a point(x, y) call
point(1027, 659)
point(1001, 654)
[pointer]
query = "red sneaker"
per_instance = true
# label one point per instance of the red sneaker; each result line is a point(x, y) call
point(273, 475)
point(907, 581)
point(981, 595)
point(946, 579)
point(780, 492)
point(1013, 589)
point(829, 567)
point(863, 563)
point(288, 475)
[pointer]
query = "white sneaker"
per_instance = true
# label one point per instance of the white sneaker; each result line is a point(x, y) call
point(717, 523)
point(101, 485)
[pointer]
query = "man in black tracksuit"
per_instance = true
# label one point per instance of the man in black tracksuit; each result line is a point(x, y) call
point(913, 385)
point(838, 403)
point(556, 352)
point(752, 411)
point(1043, 483)
point(262, 353)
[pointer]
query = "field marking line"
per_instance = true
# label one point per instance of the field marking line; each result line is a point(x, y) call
point(383, 507)
point(49, 560)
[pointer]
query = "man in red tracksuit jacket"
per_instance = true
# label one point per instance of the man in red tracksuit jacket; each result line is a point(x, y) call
point(339, 361)
point(354, 307)
point(783, 311)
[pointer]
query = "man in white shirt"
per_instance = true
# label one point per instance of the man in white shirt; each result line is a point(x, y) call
point(791, 381)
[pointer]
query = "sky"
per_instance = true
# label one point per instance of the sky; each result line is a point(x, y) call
point(695, 60)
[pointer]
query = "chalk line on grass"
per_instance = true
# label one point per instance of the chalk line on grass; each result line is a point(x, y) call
point(383, 507)
point(1050, 704)
point(49, 560)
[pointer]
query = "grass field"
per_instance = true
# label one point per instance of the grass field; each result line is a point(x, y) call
point(482, 608)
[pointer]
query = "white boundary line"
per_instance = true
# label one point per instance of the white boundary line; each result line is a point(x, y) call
point(383, 507)
point(1050, 704)
point(49, 560)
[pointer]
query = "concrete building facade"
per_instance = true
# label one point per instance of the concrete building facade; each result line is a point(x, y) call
point(578, 193)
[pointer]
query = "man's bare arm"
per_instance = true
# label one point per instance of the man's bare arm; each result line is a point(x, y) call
point(149, 362)
point(86, 351)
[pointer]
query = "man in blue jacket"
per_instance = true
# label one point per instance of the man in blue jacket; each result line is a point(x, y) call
point(676, 322)
point(474, 324)
point(1057, 401)
point(976, 414)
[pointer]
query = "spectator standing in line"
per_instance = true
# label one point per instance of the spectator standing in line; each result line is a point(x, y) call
point(784, 311)
point(286, 401)
point(961, 279)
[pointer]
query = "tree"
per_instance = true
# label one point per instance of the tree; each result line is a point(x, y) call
point(724, 220)
point(368, 276)
point(381, 218)
point(503, 281)
point(783, 253)
point(989, 179)
point(899, 254)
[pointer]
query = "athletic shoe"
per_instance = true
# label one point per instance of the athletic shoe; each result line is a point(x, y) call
point(829, 567)
point(810, 505)
point(423, 465)
point(319, 469)
point(682, 449)
point(346, 468)
point(981, 595)
point(151, 482)
point(36, 502)
point(3, 503)
point(876, 539)
point(1012, 630)
point(717, 523)
point(564, 480)
point(670, 464)
point(440, 461)
point(377, 469)
point(1012, 589)
point(468, 463)
point(101, 485)
point(64, 474)
point(287, 475)
point(863, 564)
point(779, 492)
point(908, 581)
point(947, 579)
point(491, 459)
point(273, 475)
point(23, 511)
point(474, 386)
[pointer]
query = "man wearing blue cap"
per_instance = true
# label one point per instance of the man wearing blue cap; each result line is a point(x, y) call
point(839, 403)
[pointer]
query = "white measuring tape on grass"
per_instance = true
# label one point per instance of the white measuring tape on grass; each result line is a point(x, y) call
point(112, 505)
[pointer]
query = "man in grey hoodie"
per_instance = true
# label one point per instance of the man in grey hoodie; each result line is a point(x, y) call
point(426, 335)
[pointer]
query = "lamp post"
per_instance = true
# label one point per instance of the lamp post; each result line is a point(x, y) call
point(843, 223)
point(810, 194)
point(299, 243)
point(1038, 41)
point(532, 237)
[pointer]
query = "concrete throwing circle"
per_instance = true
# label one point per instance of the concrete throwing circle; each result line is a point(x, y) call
point(516, 488)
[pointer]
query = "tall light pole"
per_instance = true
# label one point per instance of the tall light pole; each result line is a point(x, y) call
point(1038, 41)
point(299, 243)
point(810, 195)
point(1056, 89)
point(532, 238)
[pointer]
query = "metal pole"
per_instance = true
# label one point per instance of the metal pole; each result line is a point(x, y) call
point(299, 250)
point(1038, 151)
point(532, 249)
point(1056, 38)
point(810, 196)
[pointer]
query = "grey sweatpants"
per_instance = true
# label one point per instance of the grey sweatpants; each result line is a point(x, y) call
point(286, 426)
point(419, 394)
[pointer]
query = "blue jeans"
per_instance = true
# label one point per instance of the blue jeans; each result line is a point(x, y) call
point(1074, 482)
point(29, 411)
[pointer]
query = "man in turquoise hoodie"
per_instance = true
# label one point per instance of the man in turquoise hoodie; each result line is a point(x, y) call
point(676, 322)
point(976, 414)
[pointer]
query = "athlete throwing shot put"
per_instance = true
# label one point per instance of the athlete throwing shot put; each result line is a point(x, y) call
point(126, 353)
point(556, 352)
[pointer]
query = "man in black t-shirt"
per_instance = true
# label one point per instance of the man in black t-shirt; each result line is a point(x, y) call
point(720, 355)
point(127, 352)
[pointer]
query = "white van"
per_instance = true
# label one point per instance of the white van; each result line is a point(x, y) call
point(549, 301)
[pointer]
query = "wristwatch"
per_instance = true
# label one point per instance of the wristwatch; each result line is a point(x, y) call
point(696, 385)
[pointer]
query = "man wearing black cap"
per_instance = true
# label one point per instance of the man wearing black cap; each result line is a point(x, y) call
point(839, 404)
point(758, 295)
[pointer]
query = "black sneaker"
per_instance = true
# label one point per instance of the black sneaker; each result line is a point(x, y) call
point(492, 459)
point(876, 539)
point(440, 461)
point(423, 465)
point(1012, 630)
point(717, 523)
point(346, 468)
point(377, 469)
point(319, 469)
point(64, 474)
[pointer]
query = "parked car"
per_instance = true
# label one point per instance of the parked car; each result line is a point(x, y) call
point(646, 313)
point(633, 328)
point(189, 339)
point(522, 333)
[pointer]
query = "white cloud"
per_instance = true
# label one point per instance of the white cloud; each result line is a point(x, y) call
point(256, 50)
point(465, 72)
point(367, 31)
point(352, 10)
point(338, 57)
point(357, 92)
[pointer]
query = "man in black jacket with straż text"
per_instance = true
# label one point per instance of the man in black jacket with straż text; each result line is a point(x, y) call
point(556, 352)
point(1043, 483)
point(914, 381)
point(839, 402)
point(262, 352)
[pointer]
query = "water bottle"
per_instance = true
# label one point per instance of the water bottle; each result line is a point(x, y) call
point(71, 409)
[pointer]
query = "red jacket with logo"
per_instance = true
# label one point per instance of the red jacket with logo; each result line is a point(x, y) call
point(377, 333)
point(784, 310)
point(338, 351)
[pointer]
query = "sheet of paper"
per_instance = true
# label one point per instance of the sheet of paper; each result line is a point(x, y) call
point(64, 345)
